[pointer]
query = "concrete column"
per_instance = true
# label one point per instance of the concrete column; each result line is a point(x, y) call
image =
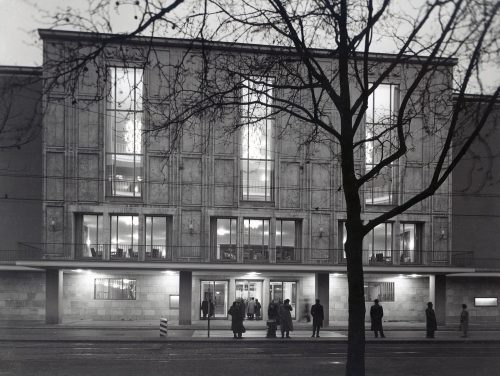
point(53, 296)
point(440, 302)
point(323, 294)
point(185, 289)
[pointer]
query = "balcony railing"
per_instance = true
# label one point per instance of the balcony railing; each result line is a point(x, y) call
point(232, 254)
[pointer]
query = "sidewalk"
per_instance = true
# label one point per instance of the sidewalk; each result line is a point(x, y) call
point(148, 331)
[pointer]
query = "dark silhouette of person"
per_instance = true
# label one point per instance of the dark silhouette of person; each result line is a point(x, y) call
point(272, 319)
point(237, 312)
point(306, 311)
point(258, 308)
point(430, 321)
point(318, 316)
point(204, 308)
point(285, 315)
point(464, 320)
point(376, 314)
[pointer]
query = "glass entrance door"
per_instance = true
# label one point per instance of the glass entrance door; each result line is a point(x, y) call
point(281, 290)
point(214, 292)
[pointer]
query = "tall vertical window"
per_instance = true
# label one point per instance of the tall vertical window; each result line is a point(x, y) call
point(409, 242)
point(223, 231)
point(124, 159)
point(90, 235)
point(380, 120)
point(213, 298)
point(256, 240)
point(287, 233)
point(256, 140)
point(281, 290)
point(124, 236)
point(157, 238)
point(379, 243)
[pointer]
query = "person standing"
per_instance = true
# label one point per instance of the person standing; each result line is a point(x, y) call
point(430, 321)
point(286, 318)
point(464, 320)
point(318, 316)
point(251, 309)
point(258, 307)
point(204, 308)
point(376, 314)
point(237, 312)
point(272, 319)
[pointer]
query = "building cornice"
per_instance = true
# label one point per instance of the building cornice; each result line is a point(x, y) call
point(198, 44)
point(20, 70)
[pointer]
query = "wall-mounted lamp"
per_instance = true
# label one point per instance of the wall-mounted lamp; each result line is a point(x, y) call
point(191, 227)
point(442, 234)
point(321, 231)
point(52, 225)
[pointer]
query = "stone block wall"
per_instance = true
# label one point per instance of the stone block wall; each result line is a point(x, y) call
point(410, 298)
point(22, 295)
point(464, 290)
point(152, 297)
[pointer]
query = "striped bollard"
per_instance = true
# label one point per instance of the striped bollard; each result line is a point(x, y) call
point(163, 327)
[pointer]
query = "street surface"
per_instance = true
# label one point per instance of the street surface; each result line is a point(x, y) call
point(240, 357)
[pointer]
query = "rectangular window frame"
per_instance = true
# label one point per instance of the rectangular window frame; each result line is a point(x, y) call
point(157, 251)
point(128, 251)
point(126, 293)
point(256, 253)
point(248, 120)
point(224, 252)
point(135, 186)
point(387, 291)
point(287, 253)
point(389, 171)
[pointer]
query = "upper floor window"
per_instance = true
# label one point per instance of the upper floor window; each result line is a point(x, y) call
point(90, 241)
point(157, 237)
point(256, 140)
point(287, 239)
point(380, 121)
point(124, 236)
point(124, 125)
point(409, 242)
point(256, 239)
point(224, 239)
point(379, 243)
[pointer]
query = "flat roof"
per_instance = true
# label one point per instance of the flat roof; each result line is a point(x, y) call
point(51, 34)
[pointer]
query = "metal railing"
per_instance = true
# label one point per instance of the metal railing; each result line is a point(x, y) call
point(234, 254)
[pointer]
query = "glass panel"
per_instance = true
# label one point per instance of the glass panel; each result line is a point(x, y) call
point(288, 233)
point(101, 288)
point(213, 294)
point(379, 238)
point(123, 95)
point(91, 231)
point(279, 291)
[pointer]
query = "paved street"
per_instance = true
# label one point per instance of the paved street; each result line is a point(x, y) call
point(243, 358)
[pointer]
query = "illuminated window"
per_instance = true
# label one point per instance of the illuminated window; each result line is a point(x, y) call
point(378, 242)
point(485, 302)
point(281, 290)
point(89, 232)
point(383, 291)
point(213, 299)
point(380, 120)
point(114, 289)
point(124, 236)
point(409, 242)
point(256, 240)
point(124, 159)
point(158, 230)
point(256, 140)
point(223, 238)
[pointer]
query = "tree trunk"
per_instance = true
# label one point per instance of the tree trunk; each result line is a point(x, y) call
point(356, 331)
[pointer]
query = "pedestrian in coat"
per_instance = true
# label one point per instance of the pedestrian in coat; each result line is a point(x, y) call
point(237, 312)
point(464, 320)
point(251, 309)
point(430, 321)
point(258, 307)
point(272, 319)
point(376, 314)
point(286, 318)
point(204, 309)
point(318, 316)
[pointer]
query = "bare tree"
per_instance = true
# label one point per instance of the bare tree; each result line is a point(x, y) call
point(321, 83)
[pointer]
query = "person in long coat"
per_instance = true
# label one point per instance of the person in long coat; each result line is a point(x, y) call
point(430, 321)
point(251, 309)
point(464, 320)
point(286, 318)
point(237, 312)
point(318, 316)
point(376, 314)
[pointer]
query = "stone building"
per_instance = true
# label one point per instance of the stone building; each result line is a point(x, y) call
point(136, 223)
